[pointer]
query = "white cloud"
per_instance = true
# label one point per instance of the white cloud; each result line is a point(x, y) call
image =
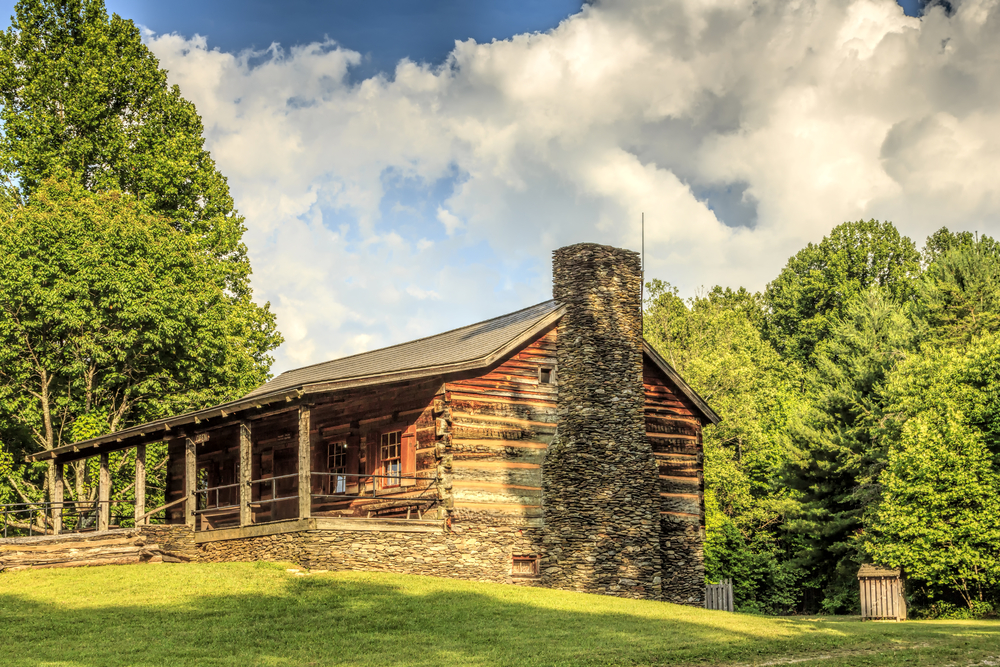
point(406, 205)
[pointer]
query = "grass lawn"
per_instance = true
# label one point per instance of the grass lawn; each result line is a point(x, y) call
point(259, 614)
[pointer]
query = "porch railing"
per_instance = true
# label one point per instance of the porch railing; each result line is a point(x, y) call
point(340, 483)
point(29, 519)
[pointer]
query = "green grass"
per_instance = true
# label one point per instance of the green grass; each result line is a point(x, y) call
point(258, 614)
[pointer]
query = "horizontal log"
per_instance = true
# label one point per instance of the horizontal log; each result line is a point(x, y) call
point(502, 444)
point(495, 464)
point(473, 417)
point(479, 484)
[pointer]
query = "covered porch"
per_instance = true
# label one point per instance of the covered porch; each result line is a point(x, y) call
point(285, 457)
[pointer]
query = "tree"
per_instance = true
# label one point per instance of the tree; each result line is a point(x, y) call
point(939, 518)
point(943, 240)
point(85, 103)
point(815, 286)
point(833, 457)
point(108, 316)
point(958, 296)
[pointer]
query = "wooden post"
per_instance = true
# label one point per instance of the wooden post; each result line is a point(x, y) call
point(104, 494)
point(246, 476)
point(57, 499)
point(190, 481)
point(305, 464)
point(140, 484)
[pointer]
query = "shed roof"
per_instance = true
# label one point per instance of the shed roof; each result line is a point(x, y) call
point(869, 571)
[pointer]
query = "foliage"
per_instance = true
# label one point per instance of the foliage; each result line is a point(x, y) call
point(108, 316)
point(81, 94)
point(940, 516)
point(958, 296)
point(946, 610)
point(92, 128)
point(833, 461)
point(814, 288)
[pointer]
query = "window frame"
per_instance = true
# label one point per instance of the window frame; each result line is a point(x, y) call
point(337, 480)
point(389, 479)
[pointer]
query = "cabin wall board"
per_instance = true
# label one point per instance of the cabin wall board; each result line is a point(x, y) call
point(673, 431)
point(499, 427)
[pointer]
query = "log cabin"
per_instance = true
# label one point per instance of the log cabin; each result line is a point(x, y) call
point(551, 446)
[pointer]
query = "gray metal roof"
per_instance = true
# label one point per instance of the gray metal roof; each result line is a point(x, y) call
point(476, 343)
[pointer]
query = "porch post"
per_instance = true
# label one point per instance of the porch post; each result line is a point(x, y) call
point(246, 474)
point(57, 499)
point(190, 481)
point(140, 483)
point(104, 494)
point(305, 464)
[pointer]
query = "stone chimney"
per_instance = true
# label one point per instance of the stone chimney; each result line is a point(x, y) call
point(600, 479)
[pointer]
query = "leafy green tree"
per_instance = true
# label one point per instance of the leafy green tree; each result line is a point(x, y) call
point(944, 240)
point(84, 102)
point(81, 93)
point(833, 458)
point(108, 316)
point(815, 286)
point(939, 518)
point(958, 296)
point(714, 343)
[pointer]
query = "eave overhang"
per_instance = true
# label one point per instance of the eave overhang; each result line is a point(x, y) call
point(675, 377)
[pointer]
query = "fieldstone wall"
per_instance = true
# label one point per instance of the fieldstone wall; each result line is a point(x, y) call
point(683, 557)
point(600, 478)
point(177, 539)
point(470, 551)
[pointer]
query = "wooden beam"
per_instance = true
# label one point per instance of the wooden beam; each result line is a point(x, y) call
point(104, 494)
point(57, 498)
point(140, 483)
point(305, 467)
point(246, 469)
point(190, 481)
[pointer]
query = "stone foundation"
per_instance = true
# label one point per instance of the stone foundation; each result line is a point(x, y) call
point(480, 553)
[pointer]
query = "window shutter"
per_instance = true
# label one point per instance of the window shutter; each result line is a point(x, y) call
point(409, 455)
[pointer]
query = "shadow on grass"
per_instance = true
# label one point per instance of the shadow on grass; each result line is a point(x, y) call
point(373, 620)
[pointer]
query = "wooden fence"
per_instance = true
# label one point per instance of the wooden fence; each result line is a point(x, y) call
point(719, 596)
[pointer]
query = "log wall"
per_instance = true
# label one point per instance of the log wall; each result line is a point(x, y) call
point(499, 426)
point(673, 429)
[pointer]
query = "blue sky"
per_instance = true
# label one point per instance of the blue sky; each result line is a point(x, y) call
point(407, 167)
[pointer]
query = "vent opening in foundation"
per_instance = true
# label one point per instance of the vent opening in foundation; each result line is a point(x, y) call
point(524, 566)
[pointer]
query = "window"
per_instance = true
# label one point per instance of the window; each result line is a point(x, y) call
point(391, 457)
point(336, 461)
point(546, 375)
point(524, 566)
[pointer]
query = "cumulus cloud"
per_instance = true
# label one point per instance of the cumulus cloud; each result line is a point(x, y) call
point(407, 204)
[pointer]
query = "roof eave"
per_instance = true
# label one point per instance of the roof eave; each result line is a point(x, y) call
point(685, 388)
point(160, 429)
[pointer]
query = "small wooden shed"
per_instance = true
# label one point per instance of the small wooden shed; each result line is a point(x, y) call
point(881, 593)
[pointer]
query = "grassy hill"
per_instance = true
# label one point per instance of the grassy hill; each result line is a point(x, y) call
point(259, 614)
